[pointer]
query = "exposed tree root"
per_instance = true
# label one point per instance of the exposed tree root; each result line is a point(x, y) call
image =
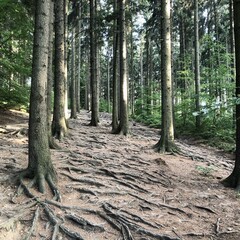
point(205, 208)
point(85, 224)
point(69, 233)
point(84, 180)
point(34, 225)
point(83, 190)
point(9, 223)
point(126, 233)
point(59, 223)
point(127, 225)
point(132, 186)
point(40, 182)
point(135, 217)
point(232, 181)
point(160, 205)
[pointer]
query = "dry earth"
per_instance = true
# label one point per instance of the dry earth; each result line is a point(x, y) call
point(115, 187)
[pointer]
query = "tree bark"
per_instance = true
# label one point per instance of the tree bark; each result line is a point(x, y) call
point(78, 87)
point(115, 70)
point(73, 78)
point(233, 180)
point(123, 125)
point(59, 120)
point(52, 144)
point(40, 166)
point(93, 66)
point(166, 143)
point(197, 65)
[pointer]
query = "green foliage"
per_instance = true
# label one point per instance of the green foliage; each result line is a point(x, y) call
point(16, 33)
point(205, 171)
point(103, 106)
point(14, 96)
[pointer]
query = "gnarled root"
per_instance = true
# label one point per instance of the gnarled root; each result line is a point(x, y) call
point(39, 181)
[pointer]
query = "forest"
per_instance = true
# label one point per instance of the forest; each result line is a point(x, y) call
point(119, 119)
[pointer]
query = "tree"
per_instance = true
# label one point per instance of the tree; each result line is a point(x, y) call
point(197, 63)
point(52, 144)
point(114, 71)
point(73, 89)
point(59, 120)
point(233, 180)
point(166, 142)
point(123, 125)
point(40, 166)
point(93, 66)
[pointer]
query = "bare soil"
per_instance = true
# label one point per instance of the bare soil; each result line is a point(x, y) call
point(115, 187)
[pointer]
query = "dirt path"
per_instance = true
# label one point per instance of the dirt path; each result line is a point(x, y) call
point(115, 187)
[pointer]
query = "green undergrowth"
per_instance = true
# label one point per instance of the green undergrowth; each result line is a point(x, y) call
point(218, 132)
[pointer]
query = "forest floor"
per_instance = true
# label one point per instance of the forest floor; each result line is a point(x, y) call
point(115, 187)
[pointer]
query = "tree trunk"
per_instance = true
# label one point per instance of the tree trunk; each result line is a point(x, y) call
point(231, 40)
point(123, 125)
point(78, 87)
point(73, 78)
point(59, 120)
point(166, 142)
point(40, 166)
point(233, 180)
point(197, 64)
point(52, 144)
point(65, 14)
point(93, 66)
point(115, 70)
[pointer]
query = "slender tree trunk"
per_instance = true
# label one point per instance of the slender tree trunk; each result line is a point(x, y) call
point(232, 64)
point(93, 66)
point(73, 77)
point(197, 64)
point(141, 79)
point(183, 64)
point(65, 17)
point(52, 144)
point(78, 87)
point(59, 120)
point(108, 81)
point(115, 77)
point(123, 126)
point(166, 142)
